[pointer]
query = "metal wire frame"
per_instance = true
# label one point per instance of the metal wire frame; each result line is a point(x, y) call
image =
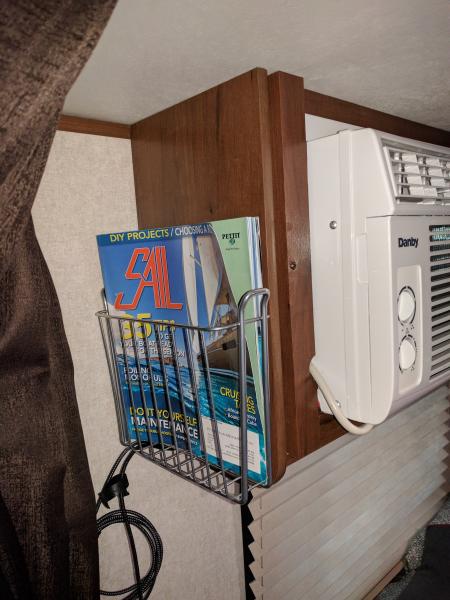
point(196, 466)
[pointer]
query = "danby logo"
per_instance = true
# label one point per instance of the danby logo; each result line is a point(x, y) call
point(408, 242)
point(231, 237)
point(150, 272)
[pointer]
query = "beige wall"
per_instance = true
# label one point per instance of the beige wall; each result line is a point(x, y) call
point(88, 189)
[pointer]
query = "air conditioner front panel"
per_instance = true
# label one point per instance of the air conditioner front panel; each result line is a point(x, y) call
point(381, 276)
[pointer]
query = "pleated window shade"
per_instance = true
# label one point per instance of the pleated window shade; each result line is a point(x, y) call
point(341, 518)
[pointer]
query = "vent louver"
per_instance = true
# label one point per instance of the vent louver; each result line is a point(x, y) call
point(419, 177)
point(440, 299)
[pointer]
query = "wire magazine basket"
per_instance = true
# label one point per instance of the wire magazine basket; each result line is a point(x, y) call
point(176, 369)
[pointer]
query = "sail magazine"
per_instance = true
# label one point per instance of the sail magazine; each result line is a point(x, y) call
point(190, 275)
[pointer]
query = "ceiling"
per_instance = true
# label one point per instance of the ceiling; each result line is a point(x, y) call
point(392, 55)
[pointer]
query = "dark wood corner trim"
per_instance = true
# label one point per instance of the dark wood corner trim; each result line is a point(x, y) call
point(94, 127)
point(328, 107)
point(293, 261)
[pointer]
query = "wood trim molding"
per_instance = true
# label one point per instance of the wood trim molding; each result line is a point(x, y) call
point(293, 261)
point(328, 107)
point(306, 428)
point(94, 127)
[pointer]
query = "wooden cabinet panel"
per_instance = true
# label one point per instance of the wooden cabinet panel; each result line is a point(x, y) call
point(209, 158)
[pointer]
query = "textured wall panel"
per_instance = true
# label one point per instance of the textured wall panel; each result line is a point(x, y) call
point(88, 189)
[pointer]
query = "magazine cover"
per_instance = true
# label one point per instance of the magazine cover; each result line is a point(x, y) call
point(193, 274)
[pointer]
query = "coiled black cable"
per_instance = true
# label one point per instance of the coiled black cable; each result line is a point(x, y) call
point(142, 587)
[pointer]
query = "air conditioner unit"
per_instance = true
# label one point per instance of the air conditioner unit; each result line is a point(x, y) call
point(380, 249)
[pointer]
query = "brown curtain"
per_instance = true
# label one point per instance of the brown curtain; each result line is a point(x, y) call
point(48, 539)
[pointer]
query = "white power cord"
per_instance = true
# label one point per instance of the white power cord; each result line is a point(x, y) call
point(334, 407)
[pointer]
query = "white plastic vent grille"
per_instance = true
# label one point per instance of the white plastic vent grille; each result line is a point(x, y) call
point(418, 176)
point(440, 299)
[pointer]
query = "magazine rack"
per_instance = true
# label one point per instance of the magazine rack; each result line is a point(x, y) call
point(137, 393)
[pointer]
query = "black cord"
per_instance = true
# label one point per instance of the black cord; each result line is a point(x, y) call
point(115, 485)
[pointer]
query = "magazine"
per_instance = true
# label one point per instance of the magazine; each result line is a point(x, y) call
point(194, 275)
